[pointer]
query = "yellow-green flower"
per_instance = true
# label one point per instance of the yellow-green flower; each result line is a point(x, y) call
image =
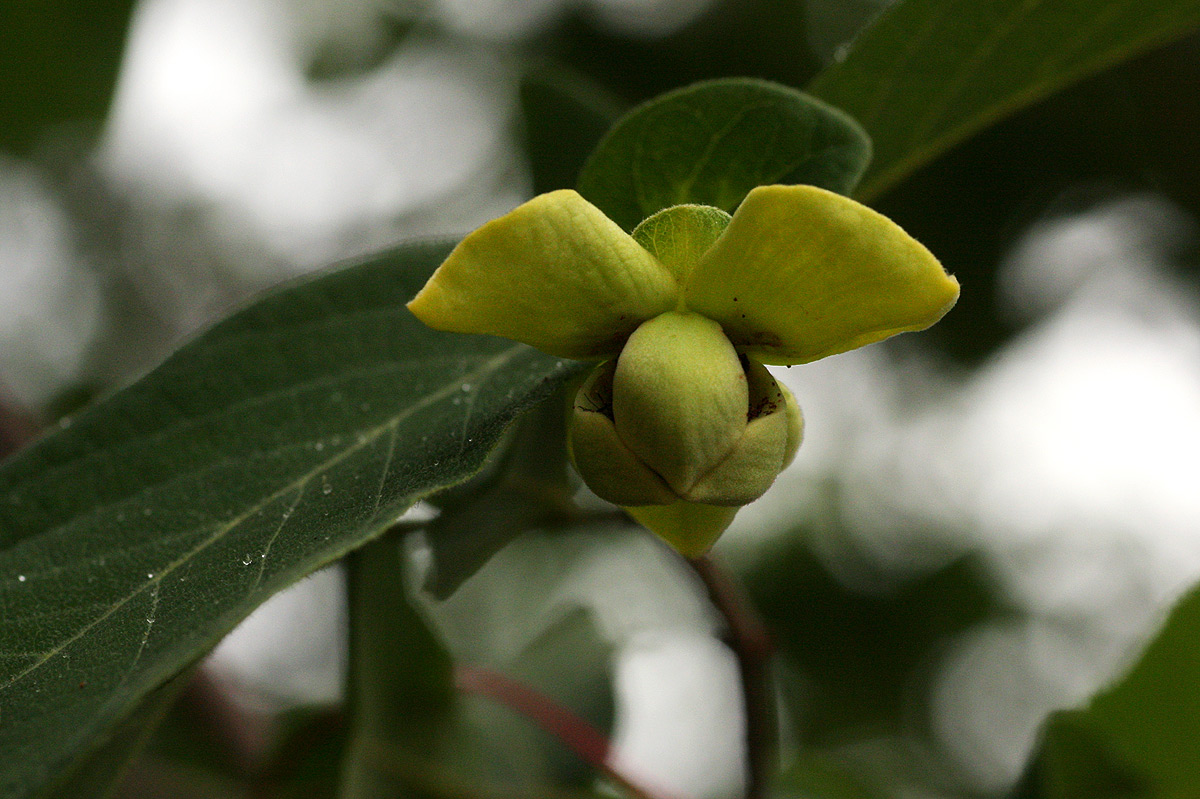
point(680, 423)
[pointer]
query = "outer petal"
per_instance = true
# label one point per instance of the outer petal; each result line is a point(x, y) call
point(801, 273)
point(606, 464)
point(689, 527)
point(770, 441)
point(555, 273)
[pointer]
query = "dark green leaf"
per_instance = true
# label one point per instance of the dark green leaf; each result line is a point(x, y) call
point(711, 143)
point(96, 774)
point(59, 59)
point(930, 73)
point(565, 115)
point(133, 539)
point(307, 759)
point(1141, 736)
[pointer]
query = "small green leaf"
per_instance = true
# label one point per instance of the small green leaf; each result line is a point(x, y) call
point(930, 73)
point(711, 143)
point(1140, 736)
point(134, 538)
point(680, 235)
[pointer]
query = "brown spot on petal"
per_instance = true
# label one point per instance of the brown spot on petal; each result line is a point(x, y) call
point(761, 338)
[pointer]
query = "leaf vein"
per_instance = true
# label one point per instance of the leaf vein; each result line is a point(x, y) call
point(479, 376)
point(935, 110)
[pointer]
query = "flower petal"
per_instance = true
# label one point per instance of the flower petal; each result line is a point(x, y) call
point(801, 273)
point(555, 273)
point(679, 397)
point(691, 528)
point(606, 464)
point(768, 445)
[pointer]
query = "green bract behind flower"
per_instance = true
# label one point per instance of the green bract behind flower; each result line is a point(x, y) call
point(682, 424)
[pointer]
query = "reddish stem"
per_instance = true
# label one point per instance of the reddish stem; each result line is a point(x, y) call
point(17, 427)
point(575, 733)
point(752, 645)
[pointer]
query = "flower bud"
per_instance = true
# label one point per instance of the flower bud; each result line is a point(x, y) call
point(679, 416)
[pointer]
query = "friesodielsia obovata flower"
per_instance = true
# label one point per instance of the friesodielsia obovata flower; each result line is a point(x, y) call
point(680, 423)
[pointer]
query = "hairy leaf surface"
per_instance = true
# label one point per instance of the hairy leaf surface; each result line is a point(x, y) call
point(711, 143)
point(134, 538)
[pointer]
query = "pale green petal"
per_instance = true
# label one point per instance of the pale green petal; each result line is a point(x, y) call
point(768, 444)
point(689, 527)
point(555, 273)
point(795, 425)
point(607, 466)
point(801, 273)
point(680, 396)
point(749, 469)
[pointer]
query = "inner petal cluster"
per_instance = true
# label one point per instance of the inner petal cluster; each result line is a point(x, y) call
point(679, 415)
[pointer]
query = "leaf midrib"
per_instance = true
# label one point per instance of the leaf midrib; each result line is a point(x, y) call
point(478, 376)
point(182, 425)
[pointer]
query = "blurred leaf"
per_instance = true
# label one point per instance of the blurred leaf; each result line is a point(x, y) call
point(413, 735)
point(760, 38)
point(307, 759)
point(571, 664)
point(564, 117)
point(712, 142)
point(336, 57)
point(1088, 144)
point(930, 73)
point(531, 486)
point(1139, 737)
point(401, 682)
point(1073, 764)
point(206, 734)
point(59, 59)
point(97, 773)
point(814, 777)
point(134, 538)
point(860, 655)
